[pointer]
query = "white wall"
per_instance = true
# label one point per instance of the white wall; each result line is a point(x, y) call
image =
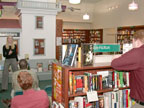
point(29, 33)
point(120, 16)
point(109, 35)
point(77, 25)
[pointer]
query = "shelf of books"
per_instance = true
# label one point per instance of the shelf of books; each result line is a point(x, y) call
point(73, 36)
point(96, 36)
point(72, 85)
point(77, 36)
point(125, 34)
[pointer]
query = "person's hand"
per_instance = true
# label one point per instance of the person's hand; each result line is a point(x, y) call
point(115, 57)
point(10, 52)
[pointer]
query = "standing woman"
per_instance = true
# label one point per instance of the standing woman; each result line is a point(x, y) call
point(10, 54)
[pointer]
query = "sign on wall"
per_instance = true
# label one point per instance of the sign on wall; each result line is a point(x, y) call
point(6, 34)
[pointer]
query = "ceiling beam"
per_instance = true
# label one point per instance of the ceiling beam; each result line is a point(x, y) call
point(8, 3)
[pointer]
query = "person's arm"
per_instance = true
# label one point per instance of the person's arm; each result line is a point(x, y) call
point(128, 61)
point(36, 80)
point(13, 104)
point(5, 53)
point(14, 52)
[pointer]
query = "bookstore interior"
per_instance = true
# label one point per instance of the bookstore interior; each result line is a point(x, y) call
point(72, 43)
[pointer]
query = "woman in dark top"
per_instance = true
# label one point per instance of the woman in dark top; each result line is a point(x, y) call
point(10, 54)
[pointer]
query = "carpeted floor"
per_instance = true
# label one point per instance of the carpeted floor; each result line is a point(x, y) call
point(6, 95)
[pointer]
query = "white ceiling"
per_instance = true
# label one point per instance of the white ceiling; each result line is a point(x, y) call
point(89, 6)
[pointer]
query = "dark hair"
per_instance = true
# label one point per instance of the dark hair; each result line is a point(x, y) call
point(23, 64)
point(139, 35)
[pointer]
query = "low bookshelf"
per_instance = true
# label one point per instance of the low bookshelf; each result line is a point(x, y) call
point(61, 89)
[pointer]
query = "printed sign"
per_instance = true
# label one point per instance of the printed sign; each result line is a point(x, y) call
point(106, 48)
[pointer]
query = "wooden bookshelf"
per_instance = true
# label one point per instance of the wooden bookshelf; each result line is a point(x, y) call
point(125, 34)
point(78, 36)
point(64, 80)
point(96, 36)
point(59, 24)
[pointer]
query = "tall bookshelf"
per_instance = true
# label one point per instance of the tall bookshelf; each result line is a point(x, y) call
point(60, 84)
point(78, 36)
point(125, 34)
point(96, 36)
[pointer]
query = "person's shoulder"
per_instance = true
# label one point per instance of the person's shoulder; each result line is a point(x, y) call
point(4, 46)
point(31, 72)
point(16, 98)
point(42, 92)
point(16, 73)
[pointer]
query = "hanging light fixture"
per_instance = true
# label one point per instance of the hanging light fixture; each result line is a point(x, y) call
point(133, 6)
point(86, 17)
point(74, 1)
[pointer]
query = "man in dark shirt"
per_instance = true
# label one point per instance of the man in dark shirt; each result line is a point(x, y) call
point(133, 61)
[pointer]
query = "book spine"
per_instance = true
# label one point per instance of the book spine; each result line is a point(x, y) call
point(79, 54)
point(70, 82)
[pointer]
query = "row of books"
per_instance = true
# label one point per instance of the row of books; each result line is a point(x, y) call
point(71, 40)
point(126, 32)
point(118, 99)
point(101, 80)
point(80, 32)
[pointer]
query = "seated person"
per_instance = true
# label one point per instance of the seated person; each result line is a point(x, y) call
point(23, 67)
point(30, 97)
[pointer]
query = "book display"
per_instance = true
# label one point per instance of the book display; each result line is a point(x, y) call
point(87, 52)
point(77, 81)
point(70, 54)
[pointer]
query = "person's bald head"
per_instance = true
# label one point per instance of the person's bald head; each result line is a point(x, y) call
point(23, 64)
point(138, 38)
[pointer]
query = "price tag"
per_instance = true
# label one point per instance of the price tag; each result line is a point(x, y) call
point(115, 89)
point(92, 96)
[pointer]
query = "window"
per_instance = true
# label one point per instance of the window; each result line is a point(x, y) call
point(39, 22)
point(39, 46)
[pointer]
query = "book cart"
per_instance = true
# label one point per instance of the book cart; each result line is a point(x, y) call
point(61, 92)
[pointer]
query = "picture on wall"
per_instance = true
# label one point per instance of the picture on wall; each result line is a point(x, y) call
point(39, 46)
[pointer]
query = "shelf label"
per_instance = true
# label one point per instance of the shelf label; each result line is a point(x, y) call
point(106, 48)
point(115, 89)
point(92, 96)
